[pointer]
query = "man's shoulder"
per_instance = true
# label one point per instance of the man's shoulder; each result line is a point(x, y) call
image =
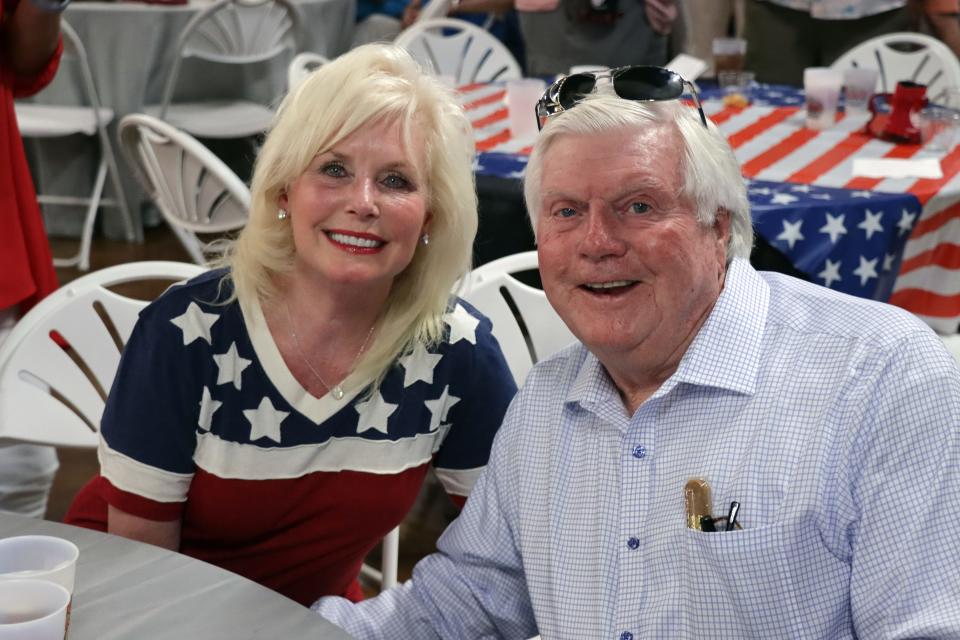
point(809, 308)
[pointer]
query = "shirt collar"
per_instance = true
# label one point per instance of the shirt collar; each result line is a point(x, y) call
point(725, 352)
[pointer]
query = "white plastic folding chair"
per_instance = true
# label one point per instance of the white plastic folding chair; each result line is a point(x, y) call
point(459, 50)
point(194, 190)
point(302, 65)
point(58, 363)
point(906, 56)
point(524, 323)
point(236, 32)
point(38, 120)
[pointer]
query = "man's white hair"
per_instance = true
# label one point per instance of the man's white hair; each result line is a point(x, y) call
point(712, 179)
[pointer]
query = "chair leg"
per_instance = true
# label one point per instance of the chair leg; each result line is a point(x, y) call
point(118, 192)
point(391, 557)
point(191, 243)
point(82, 258)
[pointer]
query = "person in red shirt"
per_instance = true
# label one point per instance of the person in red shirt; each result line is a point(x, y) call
point(30, 50)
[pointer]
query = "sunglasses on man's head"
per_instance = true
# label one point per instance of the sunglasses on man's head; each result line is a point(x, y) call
point(640, 83)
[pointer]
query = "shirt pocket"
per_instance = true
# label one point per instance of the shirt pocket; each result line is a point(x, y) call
point(744, 577)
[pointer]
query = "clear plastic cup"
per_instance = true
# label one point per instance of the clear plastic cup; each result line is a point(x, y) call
point(522, 97)
point(45, 558)
point(859, 84)
point(821, 86)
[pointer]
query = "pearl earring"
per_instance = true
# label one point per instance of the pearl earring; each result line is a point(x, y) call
point(425, 238)
point(281, 214)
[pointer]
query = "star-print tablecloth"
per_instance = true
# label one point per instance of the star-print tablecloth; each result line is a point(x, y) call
point(886, 239)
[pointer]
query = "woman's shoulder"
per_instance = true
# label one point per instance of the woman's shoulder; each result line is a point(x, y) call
point(210, 292)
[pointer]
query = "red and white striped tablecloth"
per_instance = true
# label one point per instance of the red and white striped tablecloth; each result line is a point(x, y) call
point(772, 144)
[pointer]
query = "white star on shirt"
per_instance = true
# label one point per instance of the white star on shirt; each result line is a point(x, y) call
point(800, 188)
point(440, 407)
point(231, 366)
point(419, 365)
point(791, 232)
point(830, 273)
point(374, 413)
point(783, 198)
point(265, 421)
point(821, 196)
point(906, 222)
point(861, 194)
point(888, 259)
point(194, 323)
point(871, 223)
point(463, 326)
point(208, 406)
point(834, 227)
point(866, 270)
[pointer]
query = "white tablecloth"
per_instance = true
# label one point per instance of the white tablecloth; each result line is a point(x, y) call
point(125, 589)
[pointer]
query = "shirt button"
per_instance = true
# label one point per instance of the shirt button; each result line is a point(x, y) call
point(626, 635)
point(633, 543)
point(639, 451)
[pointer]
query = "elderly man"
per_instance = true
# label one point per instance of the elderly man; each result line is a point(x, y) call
point(832, 422)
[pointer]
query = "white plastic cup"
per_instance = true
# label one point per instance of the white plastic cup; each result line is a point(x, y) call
point(859, 84)
point(522, 98)
point(821, 87)
point(33, 610)
point(45, 558)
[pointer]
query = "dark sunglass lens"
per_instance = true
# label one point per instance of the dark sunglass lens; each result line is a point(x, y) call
point(648, 83)
point(574, 88)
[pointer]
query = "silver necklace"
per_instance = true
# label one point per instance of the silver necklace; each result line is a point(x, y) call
point(336, 390)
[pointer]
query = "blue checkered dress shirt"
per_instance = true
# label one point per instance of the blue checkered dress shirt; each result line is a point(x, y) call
point(834, 421)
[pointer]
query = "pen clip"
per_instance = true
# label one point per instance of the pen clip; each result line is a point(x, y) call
point(732, 515)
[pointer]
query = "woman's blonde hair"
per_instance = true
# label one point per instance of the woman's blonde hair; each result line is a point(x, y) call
point(369, 84)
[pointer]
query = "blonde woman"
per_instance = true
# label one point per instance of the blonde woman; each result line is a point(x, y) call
point(277, 417)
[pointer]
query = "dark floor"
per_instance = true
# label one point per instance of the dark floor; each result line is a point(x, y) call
point(419, 532)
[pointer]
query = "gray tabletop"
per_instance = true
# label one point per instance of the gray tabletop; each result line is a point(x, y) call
point(126, 589)
point(131, 47)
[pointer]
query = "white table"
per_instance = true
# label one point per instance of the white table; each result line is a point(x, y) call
point(131, 47)
point(126, 589)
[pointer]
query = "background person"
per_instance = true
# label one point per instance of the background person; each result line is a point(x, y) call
point(277, 418)
point(824, 416)
point(559, 34)
point(784, 37)
point(30, 50)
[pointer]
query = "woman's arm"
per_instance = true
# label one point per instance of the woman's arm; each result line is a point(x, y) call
point(30, 38)
point(164, 534)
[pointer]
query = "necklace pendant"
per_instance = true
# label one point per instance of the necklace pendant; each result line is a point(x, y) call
point(337, 393)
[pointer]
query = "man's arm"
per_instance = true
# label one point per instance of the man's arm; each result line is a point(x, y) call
point(30, 38)
point(905, 487)
point(473, 587)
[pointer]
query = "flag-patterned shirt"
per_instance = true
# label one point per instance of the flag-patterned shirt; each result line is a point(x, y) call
point(206, 423)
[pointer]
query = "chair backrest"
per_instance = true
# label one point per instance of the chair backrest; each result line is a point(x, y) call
point(59, 361)
point(192, 187)
point(460, 50)
point(84, 88)
point(301, 66)
point(236, 32)
point(906, 56)
point(524, 323)
point(433, 9)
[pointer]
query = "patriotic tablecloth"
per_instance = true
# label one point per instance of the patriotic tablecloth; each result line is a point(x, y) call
point(896, 239)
